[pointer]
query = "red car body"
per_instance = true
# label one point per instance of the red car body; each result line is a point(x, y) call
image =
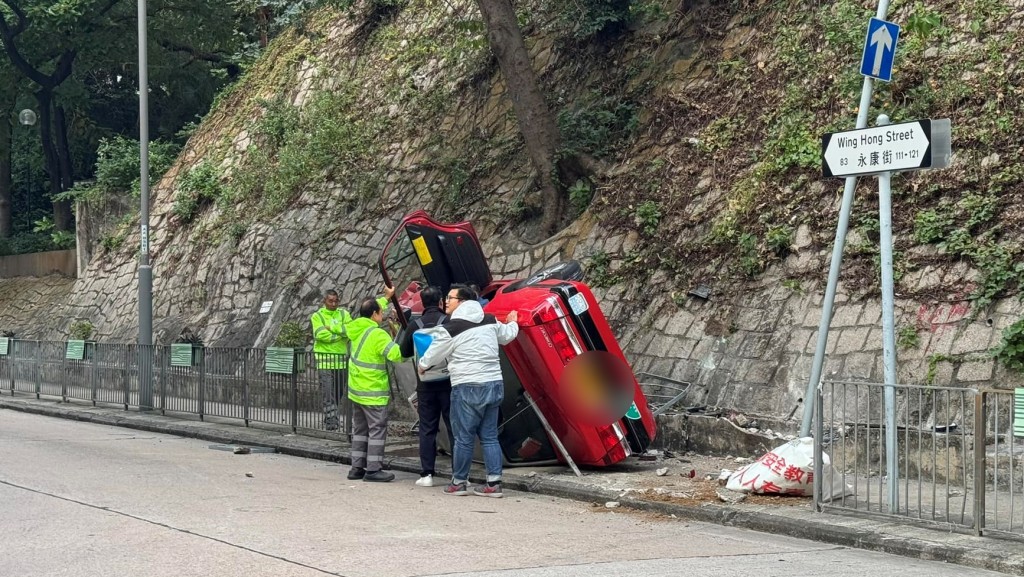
point(559, 320)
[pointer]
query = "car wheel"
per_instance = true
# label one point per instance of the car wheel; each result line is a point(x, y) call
point(565, 270)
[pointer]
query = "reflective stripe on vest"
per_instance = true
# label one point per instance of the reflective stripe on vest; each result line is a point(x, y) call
point(364, 365)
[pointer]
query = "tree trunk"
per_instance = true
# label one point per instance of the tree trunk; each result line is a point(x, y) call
point(61, 209)
point(5, 177)
point(536, 123)
point(67, 171)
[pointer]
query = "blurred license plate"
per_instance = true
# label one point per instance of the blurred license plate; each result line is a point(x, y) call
point(578, 304)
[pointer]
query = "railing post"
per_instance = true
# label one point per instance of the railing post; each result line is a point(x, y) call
point(202, 387)
point(92, 378)
point(126, 380)
point(295, 400)
point(159, 355)
point(38, 362)
point(980, 482)
point(245, 385)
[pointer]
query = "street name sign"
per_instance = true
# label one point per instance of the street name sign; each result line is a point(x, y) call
point(879, 49)
point(891, 148)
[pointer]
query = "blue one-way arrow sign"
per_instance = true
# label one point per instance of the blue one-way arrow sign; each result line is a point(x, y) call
point(879, 49)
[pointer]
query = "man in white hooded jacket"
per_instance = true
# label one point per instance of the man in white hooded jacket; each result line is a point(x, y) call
point(469, 342)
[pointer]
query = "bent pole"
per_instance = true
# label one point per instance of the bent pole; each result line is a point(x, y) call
point(837, 257)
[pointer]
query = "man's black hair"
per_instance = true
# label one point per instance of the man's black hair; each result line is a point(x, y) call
point(464, 292)
point(369, 307)
point(430, 296)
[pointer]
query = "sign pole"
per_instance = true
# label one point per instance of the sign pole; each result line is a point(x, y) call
point(145, 269)
point(837, 258)
point(888, 329)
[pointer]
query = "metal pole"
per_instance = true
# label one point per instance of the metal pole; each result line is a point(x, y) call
point(888, 330)
point(837, 256)
point(145, 270)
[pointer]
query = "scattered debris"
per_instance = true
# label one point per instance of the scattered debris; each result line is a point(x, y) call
point(730, 497)
point(532, 474)
point(242, 449)
point(723, 477)
point(741, 420)
point(661, 472)
point(611, 504)
point(249, 474)
point(669, 454)
point(743, 460)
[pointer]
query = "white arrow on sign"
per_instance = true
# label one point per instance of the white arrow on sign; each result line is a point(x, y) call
point(882, 41)
point(893, 147)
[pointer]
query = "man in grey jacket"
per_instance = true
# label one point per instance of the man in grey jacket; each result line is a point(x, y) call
point(470, 343)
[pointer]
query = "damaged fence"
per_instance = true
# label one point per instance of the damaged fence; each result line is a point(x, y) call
point(251, 385)
point(958, 462)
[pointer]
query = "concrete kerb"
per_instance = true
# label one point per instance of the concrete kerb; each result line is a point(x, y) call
point(847, 531)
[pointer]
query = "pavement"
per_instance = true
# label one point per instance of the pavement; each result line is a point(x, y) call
point(633, 486)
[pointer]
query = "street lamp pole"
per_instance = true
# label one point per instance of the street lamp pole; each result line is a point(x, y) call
point(145, 270)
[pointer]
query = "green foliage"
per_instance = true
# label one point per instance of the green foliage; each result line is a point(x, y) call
point(580, 195)
point(588, 18)
point(932, 225)
point(80, 330)
point(26, 243)
point(793, 284)
point(117, 169)
point(292, 334)
point(197, 188)
point(331, 137)
point(907, 337)
point(779, 238)
point(60, 239)
point(597, 125)
point(647, 217)
point(1010, 352)
point(599, 270)
point(720, 134)
point(923, 22)
point(749, 259)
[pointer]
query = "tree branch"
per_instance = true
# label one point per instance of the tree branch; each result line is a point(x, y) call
point(22, 18)
point(233, 69)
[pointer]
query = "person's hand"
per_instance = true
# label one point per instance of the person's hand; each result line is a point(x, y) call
point(512, 317)
point(421, 370)
point(388, 292)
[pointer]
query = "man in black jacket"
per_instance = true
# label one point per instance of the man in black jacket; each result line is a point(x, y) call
point(433, 397)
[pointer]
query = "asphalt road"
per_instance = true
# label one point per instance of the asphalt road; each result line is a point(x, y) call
point(78, 499)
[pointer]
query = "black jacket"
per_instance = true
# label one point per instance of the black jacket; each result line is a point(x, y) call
point(431, 317)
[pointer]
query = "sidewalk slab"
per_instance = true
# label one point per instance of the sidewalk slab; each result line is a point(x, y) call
point(905, 539)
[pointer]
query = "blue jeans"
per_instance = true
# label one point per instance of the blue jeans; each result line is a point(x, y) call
point(475, 414)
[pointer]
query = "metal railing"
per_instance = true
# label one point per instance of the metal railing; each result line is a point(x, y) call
point(220, 382)
point(958, 463)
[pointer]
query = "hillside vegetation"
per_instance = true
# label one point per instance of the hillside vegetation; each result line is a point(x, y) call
point(704, 120)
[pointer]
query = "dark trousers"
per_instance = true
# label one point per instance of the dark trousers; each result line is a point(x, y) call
point(432, 406)
point(332, 387)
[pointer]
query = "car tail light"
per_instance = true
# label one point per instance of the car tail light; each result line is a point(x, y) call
point(615, 445)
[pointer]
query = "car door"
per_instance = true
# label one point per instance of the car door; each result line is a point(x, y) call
point(426, 252)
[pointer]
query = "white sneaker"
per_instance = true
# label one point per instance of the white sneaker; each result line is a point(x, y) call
point(425, 481)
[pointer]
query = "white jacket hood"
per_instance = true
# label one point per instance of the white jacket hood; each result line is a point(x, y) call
point(470, 311)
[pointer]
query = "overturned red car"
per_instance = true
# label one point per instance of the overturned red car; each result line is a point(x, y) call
point(562, 331)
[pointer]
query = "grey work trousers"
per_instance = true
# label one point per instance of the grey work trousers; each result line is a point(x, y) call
point(369, 432)
point(332, 386)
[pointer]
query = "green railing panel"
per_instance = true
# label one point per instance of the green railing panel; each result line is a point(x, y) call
point(5, 346)
point(181, 355)
point(75, 350)
point(280, 360)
